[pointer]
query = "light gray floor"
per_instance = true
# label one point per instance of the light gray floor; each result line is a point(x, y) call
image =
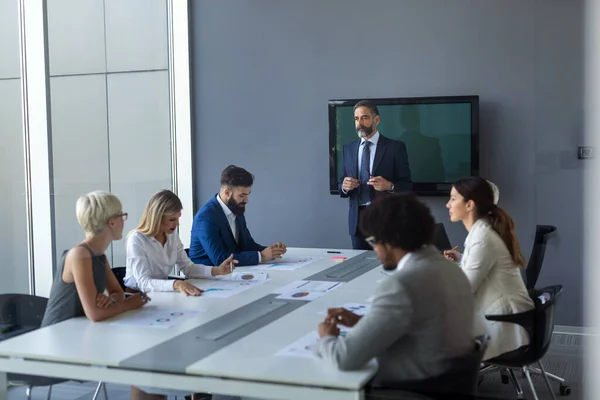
point(565, 359)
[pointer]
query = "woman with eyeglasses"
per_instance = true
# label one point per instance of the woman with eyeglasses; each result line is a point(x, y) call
point(85, 275)
point(154, 247)
point(491, 260)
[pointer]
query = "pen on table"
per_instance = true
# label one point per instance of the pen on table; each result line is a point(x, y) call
point(334, 252)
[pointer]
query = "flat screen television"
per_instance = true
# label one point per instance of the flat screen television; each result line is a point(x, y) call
point(441, 135)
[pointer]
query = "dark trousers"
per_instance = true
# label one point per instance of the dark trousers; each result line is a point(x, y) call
point(358, 240)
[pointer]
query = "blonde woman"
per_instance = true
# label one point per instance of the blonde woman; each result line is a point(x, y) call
point(154, 247)
point(81, 282)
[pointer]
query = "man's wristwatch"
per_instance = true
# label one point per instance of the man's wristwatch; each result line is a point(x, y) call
point(391, 189)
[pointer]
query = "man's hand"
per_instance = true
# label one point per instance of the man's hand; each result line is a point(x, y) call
point(380, 183)
point(272, 252)
point(226, 267)
point(186, 288)
point(342, 316)
point(281, 246)
point(349, 184)
point(328, 329)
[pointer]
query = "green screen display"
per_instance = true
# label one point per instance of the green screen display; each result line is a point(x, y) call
point(438, 137)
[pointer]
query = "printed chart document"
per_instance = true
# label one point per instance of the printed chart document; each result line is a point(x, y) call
point(287, 263)
point(242, 277)
point(356, 308)
point(155, 317)
point(305, 346)
point(306, 290)
point(224, 288)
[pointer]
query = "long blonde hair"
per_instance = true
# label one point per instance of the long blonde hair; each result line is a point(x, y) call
point(160, 204)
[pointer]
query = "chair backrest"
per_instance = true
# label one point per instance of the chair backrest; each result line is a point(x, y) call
point(21, 311)
point(460, 377)
point(440, 238)
point(536, 259)
point(539, 324)
point(120, 275)
point(543, 327)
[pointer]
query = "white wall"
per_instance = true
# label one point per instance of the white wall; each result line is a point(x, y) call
point(110, 107)
point(13, 235)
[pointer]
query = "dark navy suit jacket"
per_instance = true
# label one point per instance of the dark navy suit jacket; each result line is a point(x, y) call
point(212, 240)
point(390, 162)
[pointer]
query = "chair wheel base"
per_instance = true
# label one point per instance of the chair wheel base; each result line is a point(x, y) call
point(564, 390)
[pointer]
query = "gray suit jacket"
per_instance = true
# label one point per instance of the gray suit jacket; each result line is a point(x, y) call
point(421, 317)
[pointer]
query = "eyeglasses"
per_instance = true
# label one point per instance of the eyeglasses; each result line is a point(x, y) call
point(371, 241)
point(123, 216)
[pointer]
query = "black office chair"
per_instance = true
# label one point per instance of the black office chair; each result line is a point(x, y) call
point(536, 259)
point(120, 275)
point(440, 238)
point(459, 380)
point(539, 324)
point(19, 314)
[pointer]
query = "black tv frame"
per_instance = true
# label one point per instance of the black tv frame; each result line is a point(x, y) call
point(419, 188)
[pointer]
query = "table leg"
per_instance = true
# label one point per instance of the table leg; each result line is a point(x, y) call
point(3, 386)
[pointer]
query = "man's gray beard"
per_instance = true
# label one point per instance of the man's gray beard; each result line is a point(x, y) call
point(362, 134)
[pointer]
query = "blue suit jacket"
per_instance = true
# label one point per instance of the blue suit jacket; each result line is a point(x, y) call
point(391, 162)
point(212, 240)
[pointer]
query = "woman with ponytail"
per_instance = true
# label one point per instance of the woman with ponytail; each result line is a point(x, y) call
point(491, 260)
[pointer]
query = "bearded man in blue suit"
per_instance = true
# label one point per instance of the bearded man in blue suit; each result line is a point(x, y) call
point(219, 228)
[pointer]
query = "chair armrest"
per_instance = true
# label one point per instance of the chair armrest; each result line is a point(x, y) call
point(524, 318)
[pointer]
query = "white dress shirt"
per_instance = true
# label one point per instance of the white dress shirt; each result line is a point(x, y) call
point(403, 261)
point(231, 219)
point(149, 263)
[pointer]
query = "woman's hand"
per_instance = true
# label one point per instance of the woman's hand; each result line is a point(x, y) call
point(452, 255)
point(103, 301)
point(226, 267)
point(187, 288)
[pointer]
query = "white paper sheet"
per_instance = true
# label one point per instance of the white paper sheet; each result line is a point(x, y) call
point(306, 290)
point(356, 308)
point(154, 317)
point(243, 277)
point(224, 288)
point(305, 346)
point(287, 264)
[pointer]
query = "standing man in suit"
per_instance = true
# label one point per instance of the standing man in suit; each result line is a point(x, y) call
point(373, 166)
point(219, 228)
point(420, 318)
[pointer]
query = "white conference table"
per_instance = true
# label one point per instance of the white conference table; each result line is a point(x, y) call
point(83, 350)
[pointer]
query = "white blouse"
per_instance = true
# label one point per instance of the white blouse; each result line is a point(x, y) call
point(149, 263)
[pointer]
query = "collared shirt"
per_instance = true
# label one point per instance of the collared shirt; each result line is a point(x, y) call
point(230, 218)
point(149, 263)
point(403, 261)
